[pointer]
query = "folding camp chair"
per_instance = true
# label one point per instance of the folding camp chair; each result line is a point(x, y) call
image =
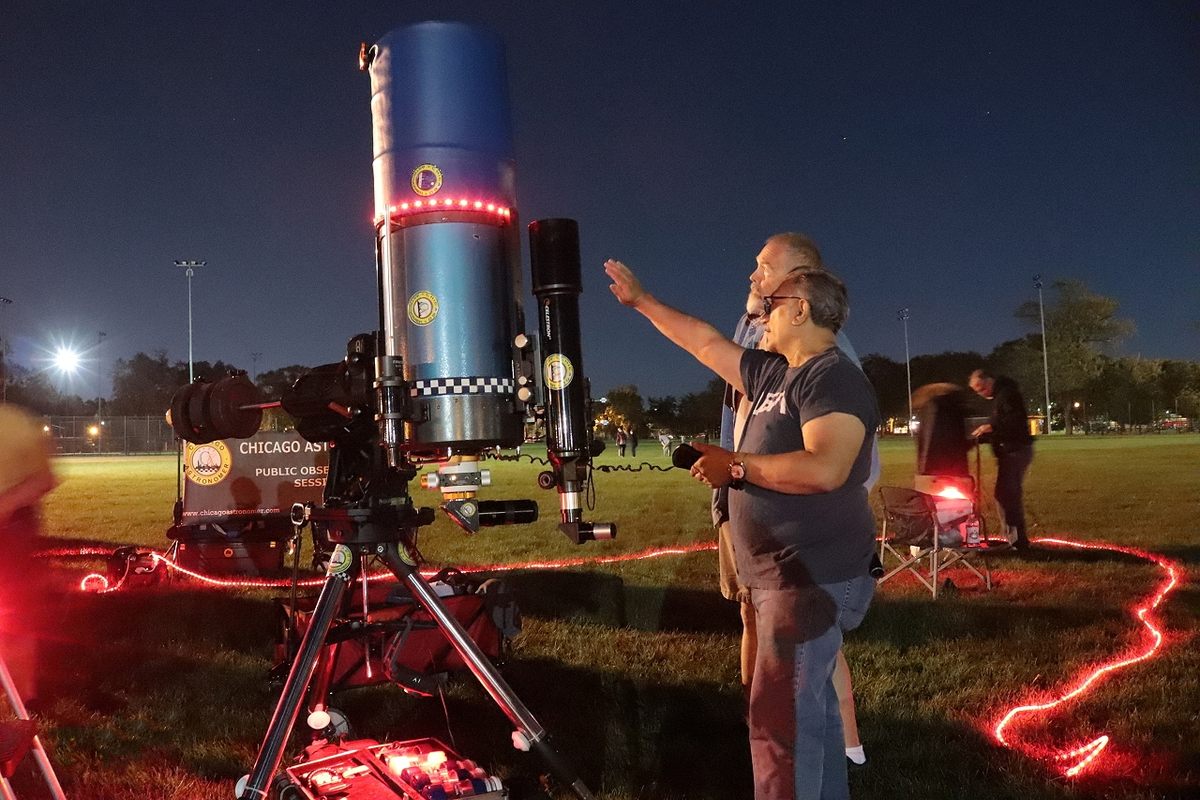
point(924, 542)
point(19, 737)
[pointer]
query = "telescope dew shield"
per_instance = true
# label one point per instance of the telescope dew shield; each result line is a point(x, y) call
point(446, 240)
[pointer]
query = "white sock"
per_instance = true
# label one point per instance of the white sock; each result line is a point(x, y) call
point(857, 754)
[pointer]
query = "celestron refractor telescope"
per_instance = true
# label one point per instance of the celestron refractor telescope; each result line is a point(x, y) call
point(450, 373)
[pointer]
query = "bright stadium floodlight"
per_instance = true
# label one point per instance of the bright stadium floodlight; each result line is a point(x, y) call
point(66, 360)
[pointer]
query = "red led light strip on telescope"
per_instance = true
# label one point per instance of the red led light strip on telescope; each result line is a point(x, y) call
point(1085, 755)
point(411, 207)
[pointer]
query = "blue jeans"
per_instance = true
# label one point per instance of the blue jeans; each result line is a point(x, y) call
point(796, 744)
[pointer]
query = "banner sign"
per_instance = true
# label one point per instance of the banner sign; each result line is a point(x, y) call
point(256, 477)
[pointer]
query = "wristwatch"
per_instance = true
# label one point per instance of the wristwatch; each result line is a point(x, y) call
point(737, 470)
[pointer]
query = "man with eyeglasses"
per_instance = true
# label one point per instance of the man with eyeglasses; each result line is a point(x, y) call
point(804, 533)
point(781, 255)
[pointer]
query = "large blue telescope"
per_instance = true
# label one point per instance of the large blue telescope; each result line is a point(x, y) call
point(447, 242)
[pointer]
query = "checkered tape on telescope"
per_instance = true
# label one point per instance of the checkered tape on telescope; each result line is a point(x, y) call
point(436, 387)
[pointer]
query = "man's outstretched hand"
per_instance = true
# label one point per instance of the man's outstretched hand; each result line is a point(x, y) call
point(625, 286)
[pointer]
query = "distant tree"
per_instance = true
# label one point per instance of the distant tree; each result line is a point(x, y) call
point(214, 371)
point(34, 390)
point(1147, 377)
point(275, 382)
point(1080, 326)
point(890, 382)
point(700, 413)
point(947, 367)
point(1178, 379)
point(662, 413)
point(145, 383)
point(1021, 360)
point(625, 407)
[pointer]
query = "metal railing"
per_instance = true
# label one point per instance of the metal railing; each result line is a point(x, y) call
point(109, 435)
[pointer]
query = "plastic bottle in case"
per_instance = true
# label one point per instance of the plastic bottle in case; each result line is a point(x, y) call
point(973, 537)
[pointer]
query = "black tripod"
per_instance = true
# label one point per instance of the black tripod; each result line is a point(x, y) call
point(384, 532)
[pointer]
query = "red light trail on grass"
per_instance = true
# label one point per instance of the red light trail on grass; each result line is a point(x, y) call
point(1083, 756)
point(95, 582)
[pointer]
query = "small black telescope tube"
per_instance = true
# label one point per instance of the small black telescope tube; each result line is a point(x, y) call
point(554, 261)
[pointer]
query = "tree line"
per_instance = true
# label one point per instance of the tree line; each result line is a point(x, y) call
point(1087, 382)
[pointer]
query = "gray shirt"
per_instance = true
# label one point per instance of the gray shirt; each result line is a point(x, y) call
point(787, 540)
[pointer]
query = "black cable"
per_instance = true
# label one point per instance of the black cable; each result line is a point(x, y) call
point(638, 468)
point(589, 497)
point(516, 457)
point(446, 714)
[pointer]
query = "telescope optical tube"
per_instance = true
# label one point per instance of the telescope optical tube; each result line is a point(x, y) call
point(447, 246)
point(554, 263)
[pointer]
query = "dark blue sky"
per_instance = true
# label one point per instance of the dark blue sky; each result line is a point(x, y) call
point(941, 153)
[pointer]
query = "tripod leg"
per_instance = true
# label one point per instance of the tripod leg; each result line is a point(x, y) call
point(39, 752)
point(529, 733)
point(343, 568)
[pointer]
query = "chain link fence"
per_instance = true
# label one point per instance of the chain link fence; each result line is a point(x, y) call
point(111, 435)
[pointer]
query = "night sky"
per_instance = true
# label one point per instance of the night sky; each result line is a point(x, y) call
point(940, 153)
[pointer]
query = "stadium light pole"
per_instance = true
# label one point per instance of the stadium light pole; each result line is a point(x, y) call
point(99, 374)
point(902, 315)
point(4, 301)
point(254, 357)
point(190, 270)
point(1037, 282)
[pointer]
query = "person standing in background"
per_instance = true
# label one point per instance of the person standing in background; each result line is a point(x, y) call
point(1012, 444)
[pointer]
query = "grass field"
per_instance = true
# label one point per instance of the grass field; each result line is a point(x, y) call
point(160, 692)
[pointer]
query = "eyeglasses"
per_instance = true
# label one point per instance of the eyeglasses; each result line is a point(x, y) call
point(768, 301)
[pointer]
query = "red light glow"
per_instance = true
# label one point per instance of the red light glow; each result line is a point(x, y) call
point(952, 493)
point(1083, 756)
point(278, 583)
point(436, 203)
point(93, 582)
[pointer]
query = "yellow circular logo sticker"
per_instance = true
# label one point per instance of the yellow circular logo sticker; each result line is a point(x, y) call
point(422, 308)
point(207, 464)
point(558, 371)
point(426, 179)
point(340, 560)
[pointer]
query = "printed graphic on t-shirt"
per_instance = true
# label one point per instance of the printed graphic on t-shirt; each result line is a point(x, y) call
point(772, 401)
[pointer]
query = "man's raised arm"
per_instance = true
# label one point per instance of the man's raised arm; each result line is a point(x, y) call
point(709, 346)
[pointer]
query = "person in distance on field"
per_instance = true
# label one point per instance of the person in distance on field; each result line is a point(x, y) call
point(1008, 432)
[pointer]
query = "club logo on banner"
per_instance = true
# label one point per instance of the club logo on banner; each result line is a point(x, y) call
point(249, 478)
point(207, 464)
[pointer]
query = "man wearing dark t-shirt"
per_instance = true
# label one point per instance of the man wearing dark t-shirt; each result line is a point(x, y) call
point(803, 530)
point(1008, 432)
